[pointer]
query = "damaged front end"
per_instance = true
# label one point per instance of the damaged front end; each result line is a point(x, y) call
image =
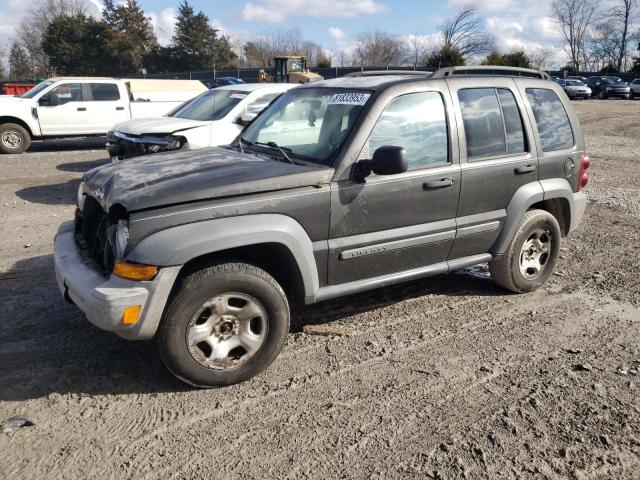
point(123, 145)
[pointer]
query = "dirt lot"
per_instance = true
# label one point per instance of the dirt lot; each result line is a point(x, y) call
point(449, 377)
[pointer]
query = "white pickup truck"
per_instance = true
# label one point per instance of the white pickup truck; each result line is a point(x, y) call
point(80, 107)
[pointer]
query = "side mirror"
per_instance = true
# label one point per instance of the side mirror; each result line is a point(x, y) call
point(387, 160)
point(45, 100)
point(246, 119)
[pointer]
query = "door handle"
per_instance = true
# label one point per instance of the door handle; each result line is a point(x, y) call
point(526, 169)
point(442, 183)
point(82, 109)
point(119, 108)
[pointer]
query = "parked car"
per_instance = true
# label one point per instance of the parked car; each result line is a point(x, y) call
point(223, 81)
point(216, 117)
point(79, 107)
point(575, 89)
point(634, 88)
point(339, 186)
point(605, 87)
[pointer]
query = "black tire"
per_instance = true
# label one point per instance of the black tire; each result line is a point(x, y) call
point(505, 269)
point(194, 292)
point(14, 138)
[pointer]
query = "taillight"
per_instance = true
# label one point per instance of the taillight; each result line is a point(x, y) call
point(583, 178)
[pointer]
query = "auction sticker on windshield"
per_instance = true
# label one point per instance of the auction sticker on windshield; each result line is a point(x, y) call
point(349, 98)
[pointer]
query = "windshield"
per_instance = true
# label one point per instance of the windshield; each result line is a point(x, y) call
point(612, 81)
point(211, 105)
point(295, 65)
point(575, 83)
point(37, 89)
point(310, 123)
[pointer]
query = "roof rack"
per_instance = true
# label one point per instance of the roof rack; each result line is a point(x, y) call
point(491, 70)
point(378, 73)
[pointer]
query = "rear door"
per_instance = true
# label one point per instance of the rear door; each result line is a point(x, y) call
point(388, 224)
point(63, 110)
point(106, 106)
point(497, 157)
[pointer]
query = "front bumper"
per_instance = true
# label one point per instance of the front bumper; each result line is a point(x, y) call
point(121, 145)
point(103, 299)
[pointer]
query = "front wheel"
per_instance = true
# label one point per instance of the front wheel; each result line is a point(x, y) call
point(226, 324)
point(531, 256)
point(14, 138)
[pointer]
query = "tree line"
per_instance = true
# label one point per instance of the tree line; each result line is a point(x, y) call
point(60, 37)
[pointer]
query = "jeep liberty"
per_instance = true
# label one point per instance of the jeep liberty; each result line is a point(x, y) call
point(338, 187)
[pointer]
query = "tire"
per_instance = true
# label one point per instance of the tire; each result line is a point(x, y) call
point(507, 269)
point(239, 309)
point(14, 138)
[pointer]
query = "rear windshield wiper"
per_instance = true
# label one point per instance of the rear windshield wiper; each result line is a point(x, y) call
point(281, 149)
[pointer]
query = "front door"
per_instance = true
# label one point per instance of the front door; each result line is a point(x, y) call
point(386, 224)
point(63, 110)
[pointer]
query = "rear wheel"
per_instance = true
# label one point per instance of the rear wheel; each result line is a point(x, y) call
point(14, 138)
point(226, 324)
point(532, 254)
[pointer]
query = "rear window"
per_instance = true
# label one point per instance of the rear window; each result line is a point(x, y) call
point(105, 92)
point(552, 119)
point(492, 122)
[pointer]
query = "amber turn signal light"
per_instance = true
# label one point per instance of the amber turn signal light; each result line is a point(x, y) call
point(134, 271)
point(130, 315)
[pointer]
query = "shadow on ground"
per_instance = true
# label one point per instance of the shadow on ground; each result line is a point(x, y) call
point(82, 167)
point(67, 144)
point(47, 345)
point(54, 194)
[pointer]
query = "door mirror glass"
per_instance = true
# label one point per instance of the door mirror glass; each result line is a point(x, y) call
point(246, 119)
point(387, 160)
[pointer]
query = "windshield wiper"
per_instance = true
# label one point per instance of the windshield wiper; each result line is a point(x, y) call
point(281, 149)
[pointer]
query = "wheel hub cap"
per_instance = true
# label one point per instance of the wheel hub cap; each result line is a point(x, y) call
point(12, 139)
point(535, 254)
point(227, 330)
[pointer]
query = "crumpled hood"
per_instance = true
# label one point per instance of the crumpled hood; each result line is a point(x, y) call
point(186, 176)
point(160, 125)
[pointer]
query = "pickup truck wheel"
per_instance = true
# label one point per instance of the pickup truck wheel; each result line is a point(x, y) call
point(14, 138)
point(532, 254)
point(225, 325)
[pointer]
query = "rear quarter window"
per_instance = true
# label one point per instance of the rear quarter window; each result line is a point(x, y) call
point(553, 122)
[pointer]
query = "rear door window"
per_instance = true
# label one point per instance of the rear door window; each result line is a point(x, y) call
point(553, 123)
point(492, 123)
point(105, 92)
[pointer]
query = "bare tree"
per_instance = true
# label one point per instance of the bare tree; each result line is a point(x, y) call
point(575, 18)
point(541, 58)
point(622, 15)
point(35, 22)
point(465, 33)
point(378, 48)
point(418, 50)
point(261, 51)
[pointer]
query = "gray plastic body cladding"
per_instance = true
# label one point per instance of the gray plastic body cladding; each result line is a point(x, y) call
point(178, 245)
point(527, 196)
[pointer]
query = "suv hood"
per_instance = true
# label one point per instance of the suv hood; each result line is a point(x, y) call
point(187, 176)
point(160, 125)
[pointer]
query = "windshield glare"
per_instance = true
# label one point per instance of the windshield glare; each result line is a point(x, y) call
point(37, 89)
point(211, 105)
point(612, 81)
point(311, 123)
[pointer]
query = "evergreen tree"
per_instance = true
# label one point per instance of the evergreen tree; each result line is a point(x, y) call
point(19, 65)
point(132, 36)
point(446, 57)
point(196, 45)
point(494, 58)
point(79, 45)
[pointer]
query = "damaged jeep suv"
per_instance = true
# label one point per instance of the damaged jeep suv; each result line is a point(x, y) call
point(339, 186)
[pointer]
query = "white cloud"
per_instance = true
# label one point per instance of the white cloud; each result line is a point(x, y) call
point(274, 11)
point(336, 33)
point(163, 24)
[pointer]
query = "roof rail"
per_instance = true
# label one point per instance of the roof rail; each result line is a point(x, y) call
point(377, 73)
point(491, 70)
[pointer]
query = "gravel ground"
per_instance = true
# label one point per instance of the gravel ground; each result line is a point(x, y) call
point(449, 377)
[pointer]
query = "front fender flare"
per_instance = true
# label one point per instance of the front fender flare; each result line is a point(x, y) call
point(178, 245)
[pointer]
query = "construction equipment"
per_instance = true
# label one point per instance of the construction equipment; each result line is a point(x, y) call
point(289, 69)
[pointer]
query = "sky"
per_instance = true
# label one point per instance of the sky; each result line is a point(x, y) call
point(334, 24)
